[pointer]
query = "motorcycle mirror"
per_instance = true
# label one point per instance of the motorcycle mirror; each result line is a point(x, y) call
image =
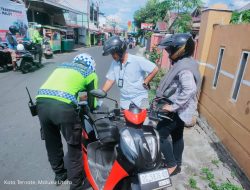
point(98, 93)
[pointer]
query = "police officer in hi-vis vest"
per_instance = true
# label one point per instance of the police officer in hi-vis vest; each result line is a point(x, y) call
point(56, 105)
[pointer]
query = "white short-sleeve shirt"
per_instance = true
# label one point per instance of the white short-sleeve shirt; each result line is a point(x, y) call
point(133, 73)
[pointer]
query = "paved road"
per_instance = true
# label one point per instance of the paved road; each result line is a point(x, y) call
point(22, 154)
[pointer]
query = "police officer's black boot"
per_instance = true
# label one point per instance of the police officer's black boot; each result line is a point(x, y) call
point(60, 178)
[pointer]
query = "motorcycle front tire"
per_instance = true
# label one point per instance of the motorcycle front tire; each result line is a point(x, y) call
point(25, 66)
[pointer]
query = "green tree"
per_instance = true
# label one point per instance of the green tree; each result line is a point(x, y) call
point(240, 17)
point(183, 23)
point(157, 11)
point(153, 11)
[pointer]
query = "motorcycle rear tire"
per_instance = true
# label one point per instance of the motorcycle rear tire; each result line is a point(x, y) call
point(38, 64)
point(48, 56)
point(25, 67)
point(4, 68)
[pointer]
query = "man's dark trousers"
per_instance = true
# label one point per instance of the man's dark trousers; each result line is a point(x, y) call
point(39, 52)
point(56, 116)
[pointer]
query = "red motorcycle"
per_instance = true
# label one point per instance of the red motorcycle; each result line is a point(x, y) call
point(118, 153)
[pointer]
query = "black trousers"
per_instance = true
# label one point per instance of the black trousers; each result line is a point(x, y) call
point(56, 116)
point(39, 52)
point(172, 150)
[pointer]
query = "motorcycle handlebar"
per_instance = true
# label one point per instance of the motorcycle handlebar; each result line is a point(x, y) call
point(99, 112)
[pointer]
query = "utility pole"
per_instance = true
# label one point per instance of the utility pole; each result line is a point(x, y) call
point(88, 15)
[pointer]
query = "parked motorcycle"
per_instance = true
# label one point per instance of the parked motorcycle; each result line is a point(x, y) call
point(47, 51)
point(35, 50)
point(24, 58)
point(5, 58)
point(119, 152)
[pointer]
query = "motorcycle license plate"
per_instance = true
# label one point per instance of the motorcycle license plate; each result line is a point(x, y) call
point(153, 180)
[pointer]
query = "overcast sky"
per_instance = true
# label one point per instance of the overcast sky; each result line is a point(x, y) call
point(123, 10)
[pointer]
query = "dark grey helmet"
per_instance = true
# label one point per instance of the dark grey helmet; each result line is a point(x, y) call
point(114, 45)
point(13, 29)
point(178, 46)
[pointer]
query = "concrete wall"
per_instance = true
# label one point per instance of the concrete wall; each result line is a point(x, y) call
point(230, 119)
point(209, 19)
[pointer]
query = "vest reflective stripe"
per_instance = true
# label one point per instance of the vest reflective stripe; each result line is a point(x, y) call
point(80, 68)
point(58, 93)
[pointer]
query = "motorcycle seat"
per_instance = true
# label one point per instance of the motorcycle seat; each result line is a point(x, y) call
point(107, 131)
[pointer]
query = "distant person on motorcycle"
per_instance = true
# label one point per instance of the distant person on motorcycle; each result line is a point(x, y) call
point(131, 73)
point(12, 44)
point(57, 101)
point(180, 86)
point(37, 39)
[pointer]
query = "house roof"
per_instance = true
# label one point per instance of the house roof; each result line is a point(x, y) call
point(161, 26)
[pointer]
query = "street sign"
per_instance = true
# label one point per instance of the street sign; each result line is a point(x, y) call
point(147, 26)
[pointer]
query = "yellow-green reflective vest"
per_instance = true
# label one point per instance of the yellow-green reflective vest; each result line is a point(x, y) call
point(67, 81)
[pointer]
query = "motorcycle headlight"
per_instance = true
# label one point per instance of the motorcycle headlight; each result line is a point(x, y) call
point(128, 146)
point(128, 139)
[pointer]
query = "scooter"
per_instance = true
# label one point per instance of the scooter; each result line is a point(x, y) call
point(24, 58)
point(47, 51)
point(119, 152)
point(35, 52)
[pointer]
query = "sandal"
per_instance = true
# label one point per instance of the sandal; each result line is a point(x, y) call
point(176, 171)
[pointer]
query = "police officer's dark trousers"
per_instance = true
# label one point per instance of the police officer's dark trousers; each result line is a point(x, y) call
point(39, 52)
point(56, 116)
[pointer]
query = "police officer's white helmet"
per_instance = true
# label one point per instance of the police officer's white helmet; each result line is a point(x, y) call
point(20, 47)
point(85, 60)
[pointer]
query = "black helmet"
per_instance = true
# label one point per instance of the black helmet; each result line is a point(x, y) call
point(13, 29)
point(178, 46)
point(114, 45)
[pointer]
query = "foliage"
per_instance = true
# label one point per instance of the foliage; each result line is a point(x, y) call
point(154, 55)
point(156, 10)
point(152, 12)
point(240, 17)
point(229, 186)
point(155, 83)
point(185, 6)
point(192, 183)
point(183, 23)
point(208, 173)
point(213, 185)
point(148, 34)
point(215, 162)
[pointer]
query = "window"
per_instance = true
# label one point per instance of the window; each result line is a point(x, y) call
point(240, 74)
point(217, 71)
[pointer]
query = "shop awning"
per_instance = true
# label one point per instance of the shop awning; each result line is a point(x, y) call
point(54, 28)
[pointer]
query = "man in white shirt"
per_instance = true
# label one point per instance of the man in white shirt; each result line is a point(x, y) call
point(131, 73)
